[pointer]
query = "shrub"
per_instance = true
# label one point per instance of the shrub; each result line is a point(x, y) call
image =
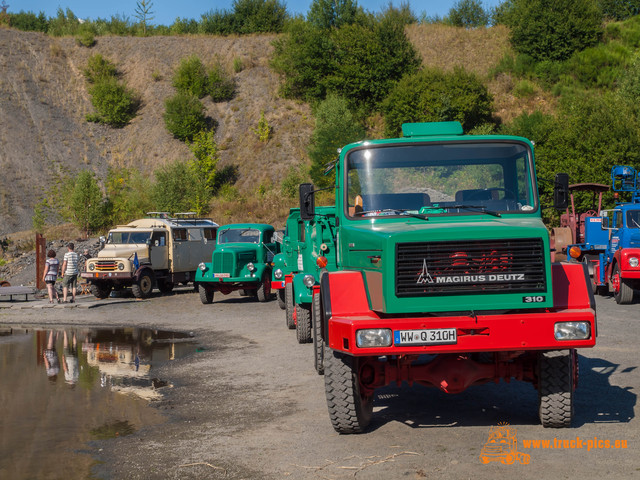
point(290, 184)
point(524, 88)
point(184, 116)
point(259, 16)
point(327, 14)
point(28, 21)
point(432, 96)
point(191, 77)
point(173, 188)
point(115, 104)
point(220, 85)
point(264, 130)
point(86, 204)
point(619, 10)
point(553, 29)
point(85, 39)
point(99, 68)
point(218, 22)
point(238, 65)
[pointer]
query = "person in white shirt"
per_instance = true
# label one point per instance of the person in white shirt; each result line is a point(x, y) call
point(70, 270)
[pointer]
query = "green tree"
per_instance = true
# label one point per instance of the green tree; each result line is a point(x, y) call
point(220, 85)
point(184, 116)
point(335, 127)
point(191, 77)
point(128, 194)
point(553, 29)
point(144, 14)
point(259, 16)
point(86, 204)
point(619, 9)
point(203, 168)
point(99, 68)
point(173, 188)
point(327, 14)
point(433, 96)
point(468, 14)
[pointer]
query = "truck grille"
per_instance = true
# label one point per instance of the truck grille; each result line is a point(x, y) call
point(470, 267)
point(106, 266)
point(223, 263)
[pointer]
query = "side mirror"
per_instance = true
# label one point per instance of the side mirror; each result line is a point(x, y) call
point(561, 191)
point(307, 201)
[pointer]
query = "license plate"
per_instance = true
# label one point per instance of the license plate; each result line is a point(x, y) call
point(435, 336)
point(221, 275)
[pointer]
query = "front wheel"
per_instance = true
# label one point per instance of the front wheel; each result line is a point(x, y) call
point(289, 307)
point(143, 286)
point(264, 289)
point(100, 290)
point(303, 324)
point(206, 294)
point(350, 409)
point(557, 370)
point(318, 342)
point(281, 303)
point(622, 289)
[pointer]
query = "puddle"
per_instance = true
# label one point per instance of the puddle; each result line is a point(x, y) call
point(61, 388)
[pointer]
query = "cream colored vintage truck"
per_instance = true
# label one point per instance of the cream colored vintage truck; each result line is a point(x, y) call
point(160, 250)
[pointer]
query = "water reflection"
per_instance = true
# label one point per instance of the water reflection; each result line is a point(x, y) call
point(61, 388)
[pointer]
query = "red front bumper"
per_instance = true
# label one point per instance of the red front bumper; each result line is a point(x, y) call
point(526, 331)
point(277, 285)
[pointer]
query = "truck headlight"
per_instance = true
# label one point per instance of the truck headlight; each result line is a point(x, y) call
point(572, 331)
point(309, 281)
point(202, 266)
point(251, 267)
point(277, 274)
point(633, 262)
point(373, 337)
point(121, 266)
point(92, 266)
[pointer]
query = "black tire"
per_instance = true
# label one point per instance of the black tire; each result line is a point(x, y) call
point(280, 295)
point(624, 293)
point(144, 286)
point(317, 320)
point(349, 410)
point(206, 294)
point(303, 323)
point(165, 286)
point(100, 290)
point(244, 293)
point(288, 305)
point(556, 370)
point(264, 289)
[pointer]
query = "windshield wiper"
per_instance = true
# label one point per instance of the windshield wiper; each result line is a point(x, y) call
point(397, 211)
point(479, 208)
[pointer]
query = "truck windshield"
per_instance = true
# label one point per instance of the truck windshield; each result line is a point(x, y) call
point(440, 178)
point(128, 237)
point(239, 235)
point(633, 218)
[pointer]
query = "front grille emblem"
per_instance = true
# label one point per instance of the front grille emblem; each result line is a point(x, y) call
point(425, 276)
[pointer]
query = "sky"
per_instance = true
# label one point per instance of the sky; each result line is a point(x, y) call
point(166, 11)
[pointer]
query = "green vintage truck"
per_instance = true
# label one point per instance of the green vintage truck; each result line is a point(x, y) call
point(444, 274)
point(241, 261)
point(285, 264)
point(317, 255)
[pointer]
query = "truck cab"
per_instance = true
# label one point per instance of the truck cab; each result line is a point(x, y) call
point(158, 250)
point(241, 261)
point(443, 274)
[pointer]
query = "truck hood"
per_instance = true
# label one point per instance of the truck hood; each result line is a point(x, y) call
point(124, 251)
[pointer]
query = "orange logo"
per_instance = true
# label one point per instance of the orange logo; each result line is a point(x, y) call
point(502, 446)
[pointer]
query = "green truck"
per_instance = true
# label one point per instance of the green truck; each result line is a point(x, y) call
point(241, 261)
point(444, 275)
point(285, 264)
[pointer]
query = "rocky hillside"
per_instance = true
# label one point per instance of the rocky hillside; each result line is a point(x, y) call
point(44, 101)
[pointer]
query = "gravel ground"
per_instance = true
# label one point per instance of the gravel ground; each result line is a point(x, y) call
point(250, 405)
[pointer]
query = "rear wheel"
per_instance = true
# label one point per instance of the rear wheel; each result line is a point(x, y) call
point(281, 299)
point(100, 290)
point(350, 409)
point(206, 294)
point(303, 324)
point(318, 342)
point(143, 286)
point(622, 289)
point(288, 305)
point(556, 374)
point(264, 290)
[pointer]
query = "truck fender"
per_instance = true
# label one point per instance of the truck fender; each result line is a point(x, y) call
point(301, 293)
point(572, 288)
point(344, 293)
point(144, 269)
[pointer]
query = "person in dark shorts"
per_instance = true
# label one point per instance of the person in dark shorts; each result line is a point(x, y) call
point(51, 270)
point(70, 270)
